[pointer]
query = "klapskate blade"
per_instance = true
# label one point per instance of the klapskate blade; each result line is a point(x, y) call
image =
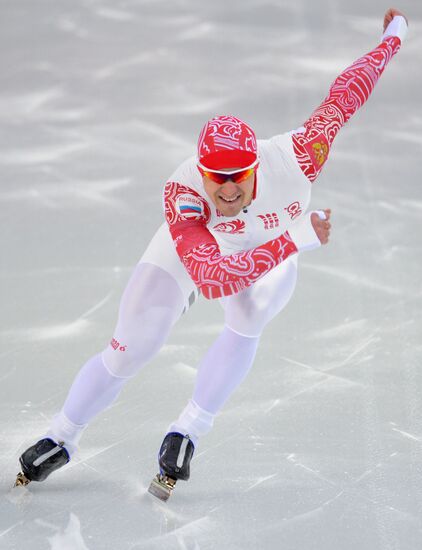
point(160, 490)
point(21, 480)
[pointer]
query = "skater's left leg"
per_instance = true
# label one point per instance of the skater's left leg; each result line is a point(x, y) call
point(220, 372)
point(230, 358)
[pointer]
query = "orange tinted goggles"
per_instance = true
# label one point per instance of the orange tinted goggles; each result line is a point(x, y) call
point(220, 177)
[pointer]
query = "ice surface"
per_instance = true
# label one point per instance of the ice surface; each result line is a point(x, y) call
point(320, 449)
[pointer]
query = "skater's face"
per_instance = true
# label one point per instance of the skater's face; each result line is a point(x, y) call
point(230, 197)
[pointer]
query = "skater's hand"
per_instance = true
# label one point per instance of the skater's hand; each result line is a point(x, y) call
point(389, 16)
point(310, 231)
point(322, 227)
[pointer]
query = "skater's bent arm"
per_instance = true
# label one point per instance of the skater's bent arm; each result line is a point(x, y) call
point(348, 92)
point(217, 275)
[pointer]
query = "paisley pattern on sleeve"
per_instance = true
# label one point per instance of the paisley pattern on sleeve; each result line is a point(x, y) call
point(349, 91)
point(218, 275)
point(214, 274)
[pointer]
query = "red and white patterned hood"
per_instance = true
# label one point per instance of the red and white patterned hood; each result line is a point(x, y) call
point(226, 142)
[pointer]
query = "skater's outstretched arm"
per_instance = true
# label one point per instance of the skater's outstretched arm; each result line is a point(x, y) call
point(348, 92)
point(217, 275)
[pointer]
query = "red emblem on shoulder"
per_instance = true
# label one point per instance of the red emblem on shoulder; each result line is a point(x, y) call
point(236, 226)
point(317, 150)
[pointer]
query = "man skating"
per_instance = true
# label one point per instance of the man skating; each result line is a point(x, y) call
point(235, 222)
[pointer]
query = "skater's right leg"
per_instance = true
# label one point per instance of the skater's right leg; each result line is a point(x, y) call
point(151, 304)
point(93, 390)
point(157, 294)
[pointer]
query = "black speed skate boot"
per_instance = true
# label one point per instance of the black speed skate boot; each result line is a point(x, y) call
point(174, 460)
point(40, 460)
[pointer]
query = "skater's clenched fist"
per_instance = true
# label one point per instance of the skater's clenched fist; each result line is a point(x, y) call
point(321, 226)
point(389, 16)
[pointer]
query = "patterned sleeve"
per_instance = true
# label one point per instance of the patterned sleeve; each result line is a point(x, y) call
point(187, 214)
point(349, 91)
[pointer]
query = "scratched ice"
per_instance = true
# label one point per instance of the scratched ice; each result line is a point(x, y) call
point(321, 447)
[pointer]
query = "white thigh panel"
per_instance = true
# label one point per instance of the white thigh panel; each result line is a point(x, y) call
point(162, 253)
point(249, 311)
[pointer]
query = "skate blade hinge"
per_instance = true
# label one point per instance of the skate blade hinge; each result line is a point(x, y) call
point(21, 480)
point(162, 487)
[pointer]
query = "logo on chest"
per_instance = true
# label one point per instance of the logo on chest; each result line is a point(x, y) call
point(270, 221)
point(236, 226)
point(294, 210)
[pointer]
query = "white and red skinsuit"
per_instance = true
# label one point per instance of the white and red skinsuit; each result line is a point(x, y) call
point(222, 256)
point(225, 255)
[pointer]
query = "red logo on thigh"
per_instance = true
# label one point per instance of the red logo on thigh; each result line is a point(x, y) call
point(116, 345)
